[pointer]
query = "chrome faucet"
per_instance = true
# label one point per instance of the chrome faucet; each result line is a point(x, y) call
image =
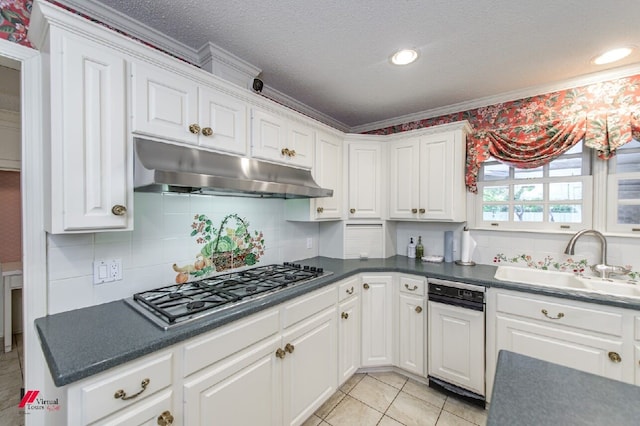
point(601, 269)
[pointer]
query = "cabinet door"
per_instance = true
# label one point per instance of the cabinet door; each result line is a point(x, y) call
point(300, 143)
point(456, 346)
point(226, 116)
point(377, 320)
point(164, 104)
point(412, 334)
point(404, 178)
point(145, 413)
point(89, 169)
point(348, 338)
point(268, 136)
point(309, 367)
point(328, 174)
point(365, 181)
point(436, 176)
point(244, 389)
point(569, 348)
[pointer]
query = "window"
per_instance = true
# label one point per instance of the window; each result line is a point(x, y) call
point(554, 196)
point(623, 191)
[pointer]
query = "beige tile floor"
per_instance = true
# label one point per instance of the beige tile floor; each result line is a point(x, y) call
point(390, 399)
point(11, 380)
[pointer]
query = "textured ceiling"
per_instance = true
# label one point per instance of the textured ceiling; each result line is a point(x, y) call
point(332, 55)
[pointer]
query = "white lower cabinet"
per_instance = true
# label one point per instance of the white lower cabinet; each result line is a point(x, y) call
point(637, 363)
point(412, 325)
point(587, 337)
point(456, 343)
point(349, 340)
point(377, 320)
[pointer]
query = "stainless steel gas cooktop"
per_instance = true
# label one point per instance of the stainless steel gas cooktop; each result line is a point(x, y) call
point(182, 303)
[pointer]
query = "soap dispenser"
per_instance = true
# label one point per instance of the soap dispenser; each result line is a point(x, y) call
point(411, 249)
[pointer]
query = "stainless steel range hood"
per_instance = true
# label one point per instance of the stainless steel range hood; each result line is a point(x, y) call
point(164, 167)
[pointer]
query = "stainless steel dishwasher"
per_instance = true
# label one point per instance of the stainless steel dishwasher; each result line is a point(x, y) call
point(456, 361)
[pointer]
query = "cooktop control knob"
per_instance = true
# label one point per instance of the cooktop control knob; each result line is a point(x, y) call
point(306, 267)
point(313, 269)
point(320, 270)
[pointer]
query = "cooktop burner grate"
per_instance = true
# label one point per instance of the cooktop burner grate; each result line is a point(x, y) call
point(179, 303)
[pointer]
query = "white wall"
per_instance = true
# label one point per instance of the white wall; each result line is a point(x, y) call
point(161, 237)
point(621, 251)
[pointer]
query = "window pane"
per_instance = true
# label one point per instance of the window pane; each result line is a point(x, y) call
point(495, 212)
point(495, 193)
point(629, 214)
point(566, 167)
point(571, 213)
point(495, 171)
point(627, 162)
point(565, 191)
point(528, 213)
point(629, 189)
point(528, 192)
point(528, 173)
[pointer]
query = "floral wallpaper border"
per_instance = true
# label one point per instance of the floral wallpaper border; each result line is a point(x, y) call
point(549, 263)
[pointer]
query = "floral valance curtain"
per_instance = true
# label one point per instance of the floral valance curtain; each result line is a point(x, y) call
point(533, 145)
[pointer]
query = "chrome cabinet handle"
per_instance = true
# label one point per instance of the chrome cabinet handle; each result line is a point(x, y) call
point(280, 353)
point(352, 211)
point(546, 314)
point(119, 210)
point(165, 419)
point(289, 348)
point(415, 287)
point(414, 211)
point(344, 315)
point(121, 394)
point(366, 286)
point(349, 290)
point(615, 357)
point(418, 309)
point(422, 210)
point(207, 131)
point(194, 128)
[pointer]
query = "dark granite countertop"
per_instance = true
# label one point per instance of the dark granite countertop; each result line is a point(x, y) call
point(83, 342)
point(532, 392)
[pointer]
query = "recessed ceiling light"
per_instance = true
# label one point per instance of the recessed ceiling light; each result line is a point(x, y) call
point(404, 56)
point(612, 55)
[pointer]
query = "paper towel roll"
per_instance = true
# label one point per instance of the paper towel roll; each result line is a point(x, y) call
point(467, 245)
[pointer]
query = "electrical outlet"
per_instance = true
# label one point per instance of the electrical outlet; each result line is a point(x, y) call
point(106, 271)
point(309, 242)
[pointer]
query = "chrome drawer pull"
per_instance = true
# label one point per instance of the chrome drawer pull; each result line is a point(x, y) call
point(121, 394)
point(546, 314)
point(344, 315)
point(165, 419)
point(415, 287)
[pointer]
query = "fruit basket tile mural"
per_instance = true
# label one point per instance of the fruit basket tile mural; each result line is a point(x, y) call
point(227, 245)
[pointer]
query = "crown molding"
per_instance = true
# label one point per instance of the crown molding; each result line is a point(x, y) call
point(288, 101)
point(226, 65)
point(585, 80)
point(134, 28)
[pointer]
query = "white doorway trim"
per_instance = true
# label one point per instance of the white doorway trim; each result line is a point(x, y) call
point(34, 252)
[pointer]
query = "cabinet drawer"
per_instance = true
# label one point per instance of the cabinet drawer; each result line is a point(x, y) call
point(412, 286)
point(596, 320)
point(348, 288)
point(232, 338)
point(98, 397)
point(144, 413)
point(305, 306)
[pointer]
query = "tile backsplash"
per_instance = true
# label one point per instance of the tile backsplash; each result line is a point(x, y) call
point(161, 238)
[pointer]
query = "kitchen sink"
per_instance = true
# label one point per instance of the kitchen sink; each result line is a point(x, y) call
point(558, 279)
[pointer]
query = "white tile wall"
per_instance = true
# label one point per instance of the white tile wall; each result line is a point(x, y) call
point(621, 251)
point(161, 237)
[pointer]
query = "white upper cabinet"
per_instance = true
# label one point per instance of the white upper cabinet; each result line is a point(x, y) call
point(365, 180)
point(427, 175)
point(275, 138)
point(90, 170)
point(168, 106)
